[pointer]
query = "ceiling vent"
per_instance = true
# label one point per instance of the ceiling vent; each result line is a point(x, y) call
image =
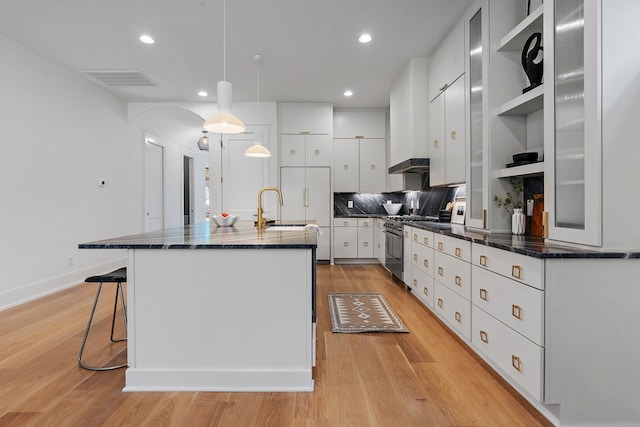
point(120, 77)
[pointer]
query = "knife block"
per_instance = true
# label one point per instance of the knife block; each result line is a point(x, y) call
point(537, 229)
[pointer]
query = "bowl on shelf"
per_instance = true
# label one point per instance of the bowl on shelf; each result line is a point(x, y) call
point(392, 208)
point(528, 157)
point(225, 221)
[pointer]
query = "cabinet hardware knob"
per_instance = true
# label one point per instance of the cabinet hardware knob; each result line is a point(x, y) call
point(426, 263)
point(366, 244)
point(435, 143)
point(458, 280)
point(458, 317)
point(415, 257)
point(440, 303)
point(484, 294)
point(454, 134)
point(317, 152)
point(415, 282)
point(516, 271)
point(346, 223)
point(305, 132)
point(516, 363)
point(292, 152)
point(426, 291)
point(440, 271)
point(366, 223)
point(516, 311)
point(483, 260)
point(346, 243)
point(346, 167)
point(406, 234)
point(359, 136)
point(458, 252)
point(439, 246)
point(426, 241)
point(373, 167)
point(415, 237)
point(484, 337)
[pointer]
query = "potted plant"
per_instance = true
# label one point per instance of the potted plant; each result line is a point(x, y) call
point(512, 204)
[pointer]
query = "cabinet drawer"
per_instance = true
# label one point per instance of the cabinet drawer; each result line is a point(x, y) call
point(519, 358)
point(422, 285)
point(345, 222)
point(453, 308)
point(422, 258)
point(457, 248)
point(365, 222)
point(518, 267)
point(422, 237)
point(453, 273)
point(517, 305)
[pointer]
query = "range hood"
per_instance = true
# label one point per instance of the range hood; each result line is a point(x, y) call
point(415, 165)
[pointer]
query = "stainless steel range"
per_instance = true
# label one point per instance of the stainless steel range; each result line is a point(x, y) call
point(394, 257)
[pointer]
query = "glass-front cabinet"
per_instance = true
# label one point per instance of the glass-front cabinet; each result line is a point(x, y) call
point(573, 132)
point(476, 128)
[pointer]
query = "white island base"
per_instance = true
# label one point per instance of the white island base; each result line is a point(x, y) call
point(220, 320)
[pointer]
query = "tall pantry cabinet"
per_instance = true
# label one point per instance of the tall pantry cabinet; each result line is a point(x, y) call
point(306, 134)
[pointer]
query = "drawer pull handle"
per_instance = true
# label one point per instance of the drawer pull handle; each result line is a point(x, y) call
point(346, 167)
point(458, 252)
point(415, 282)
point(435, 143)
point(373, 167)
point(516, 363)
point(484, 294)
point(439, 246)
point(406, 234)
point(345, 223)
point(366, 244)
point(426, 263)
point(484, 337)
point(426, 291)
point(346, 243)
point(483, 260)
point(458, 280)
point(454, 134)
point(440, 303)
point(293, 152)
point(458, 317)
point(415, 257)
point(440, 271)
point(516, 311)
point(415, 237)
point(426, 240)
point(317, 152)
point(516, 271)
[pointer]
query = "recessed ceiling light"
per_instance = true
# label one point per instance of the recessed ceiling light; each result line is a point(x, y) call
point(348, 93)
point(203, 93)
point(147, 39)
point(365, 38)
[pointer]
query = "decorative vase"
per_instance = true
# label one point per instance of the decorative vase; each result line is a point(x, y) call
point(518, 222)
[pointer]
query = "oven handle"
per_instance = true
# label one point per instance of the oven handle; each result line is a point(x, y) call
point(392, 233)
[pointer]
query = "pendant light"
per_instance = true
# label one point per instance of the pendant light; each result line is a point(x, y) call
point(224, 121)
point(257, 149)
point(203, 142)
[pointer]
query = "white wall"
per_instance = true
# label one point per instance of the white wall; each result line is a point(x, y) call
point(60, 134)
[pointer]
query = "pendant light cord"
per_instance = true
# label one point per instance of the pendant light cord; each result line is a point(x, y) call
point(224, 40)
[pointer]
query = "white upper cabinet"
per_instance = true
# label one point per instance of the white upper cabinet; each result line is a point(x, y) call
point(364, 124)
point(408, 113)
point(305, 150)
point(447, 63)
point(306, 118)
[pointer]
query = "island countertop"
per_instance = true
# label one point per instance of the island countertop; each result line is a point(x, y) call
point(206, 235)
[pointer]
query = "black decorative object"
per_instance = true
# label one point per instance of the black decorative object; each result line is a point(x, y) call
point(532, 60)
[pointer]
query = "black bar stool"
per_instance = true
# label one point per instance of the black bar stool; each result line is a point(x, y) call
point(117, 276)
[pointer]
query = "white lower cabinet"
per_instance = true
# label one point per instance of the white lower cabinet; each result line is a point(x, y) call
point(379, 240)
point(518, 357)
point(353, 238)
point(454, 309)
point(422, 285)
point(365, 238)
point(453, 273)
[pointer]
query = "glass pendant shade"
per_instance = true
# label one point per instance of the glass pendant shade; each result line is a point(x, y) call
point(257, 150)
point(224, 121)
point(203, 142)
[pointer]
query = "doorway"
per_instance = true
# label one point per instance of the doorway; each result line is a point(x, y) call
point(153, 186)
point(187, 190)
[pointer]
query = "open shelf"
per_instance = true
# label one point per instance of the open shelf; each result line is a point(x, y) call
point(524, 104)
point(516, 38)
point(533, 169)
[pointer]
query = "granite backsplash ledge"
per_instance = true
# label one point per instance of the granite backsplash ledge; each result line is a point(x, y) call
point(428, 203)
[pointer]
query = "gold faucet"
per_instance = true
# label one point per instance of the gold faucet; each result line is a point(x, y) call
point(261, 221)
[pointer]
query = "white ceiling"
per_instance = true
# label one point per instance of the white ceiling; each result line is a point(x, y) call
point(310, 47)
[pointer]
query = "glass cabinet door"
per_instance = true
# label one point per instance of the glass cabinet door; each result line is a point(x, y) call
point(476, 210)
point(575, 173)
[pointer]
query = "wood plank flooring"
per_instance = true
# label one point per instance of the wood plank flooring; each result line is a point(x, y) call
point(424, 378)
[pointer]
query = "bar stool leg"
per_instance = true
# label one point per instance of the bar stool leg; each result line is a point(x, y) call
point(86, 332)
point(119, 293)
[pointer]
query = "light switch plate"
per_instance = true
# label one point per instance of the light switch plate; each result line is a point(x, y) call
point(350, 204)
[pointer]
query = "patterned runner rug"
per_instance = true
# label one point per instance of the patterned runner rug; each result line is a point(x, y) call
point(363, 312)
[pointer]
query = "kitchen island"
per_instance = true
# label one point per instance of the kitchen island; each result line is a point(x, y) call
point(219, 308)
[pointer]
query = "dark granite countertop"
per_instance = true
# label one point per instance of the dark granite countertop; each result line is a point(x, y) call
point(362, 216)
point(208, 236)
point(525, 245)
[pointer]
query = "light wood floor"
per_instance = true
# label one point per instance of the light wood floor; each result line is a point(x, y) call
point(423, 378)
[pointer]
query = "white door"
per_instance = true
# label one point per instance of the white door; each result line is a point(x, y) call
point(318, 184)
point(242, 176)
point(153, 187)
point(293, 187)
